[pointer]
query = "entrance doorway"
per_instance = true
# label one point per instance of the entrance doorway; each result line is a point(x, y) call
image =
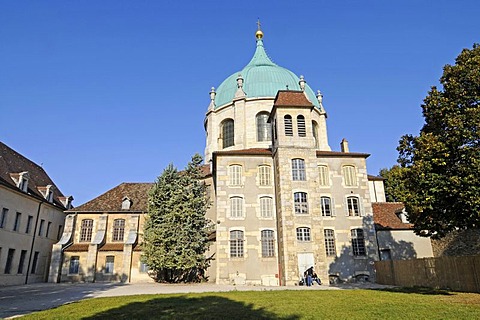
point(305, 261)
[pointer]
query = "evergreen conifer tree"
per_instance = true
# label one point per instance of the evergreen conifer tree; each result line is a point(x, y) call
point(176, 229)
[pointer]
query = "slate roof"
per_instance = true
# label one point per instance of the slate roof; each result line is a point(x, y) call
point(111, 201)
point(287, 98)
point(385, 216)
point(11, 162)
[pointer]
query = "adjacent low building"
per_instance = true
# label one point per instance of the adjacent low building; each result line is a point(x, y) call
point(31, 218)
point(395, 236)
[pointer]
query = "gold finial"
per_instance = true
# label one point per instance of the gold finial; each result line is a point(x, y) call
point(259, 33)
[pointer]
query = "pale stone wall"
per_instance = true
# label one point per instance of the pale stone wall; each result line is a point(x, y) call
point(377, 191)
point(344, 265)
point(404, 244)
point(252, 268)
point(20, 240)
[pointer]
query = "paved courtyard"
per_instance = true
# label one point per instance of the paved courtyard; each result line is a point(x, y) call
point(20, 300)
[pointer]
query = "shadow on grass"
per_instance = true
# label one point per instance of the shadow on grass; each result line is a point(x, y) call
point(417, 290)
point(182, 307)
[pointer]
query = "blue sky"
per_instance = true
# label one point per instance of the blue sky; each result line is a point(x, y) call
point(104, 92)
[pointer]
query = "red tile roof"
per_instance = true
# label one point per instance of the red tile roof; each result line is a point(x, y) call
point(11, 162)
point(112, 247)
point(77, 247)
point(375, 178)
point(385, 216)
point(111, 201)
point(287, 98)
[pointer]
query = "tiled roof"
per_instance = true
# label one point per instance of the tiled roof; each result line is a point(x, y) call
point(341, 154)
point(246, 152)
point(375, 178)
point(385, 216)
point(77, 247)
point(112, 199)
point(205, 170)
point(286, 98)
point(112, 247)
point(11, 162)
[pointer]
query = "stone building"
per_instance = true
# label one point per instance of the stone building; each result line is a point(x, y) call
point(31, 218)
point(282, 200)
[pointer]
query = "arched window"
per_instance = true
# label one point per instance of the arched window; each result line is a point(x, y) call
point(323, 175)
point(315, 133)
point(353, 207)
point(288, 125)
point(228, 133)
point(358, 242)
point(268, 243)
point(349, 176)
point(326, 206)
point(235, 175)
point(118, 229)
point(236, 244)
point(264, 129)
point(301, 126)
point(303, 234)
point(86, 230)
point(300, 202)
point(236, 207)
point(298, 170)
point(266, 207)
point(264, 175)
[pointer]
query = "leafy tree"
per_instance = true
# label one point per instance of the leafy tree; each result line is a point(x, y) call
point(395, 189)
point(443, 176)
point(176, 230)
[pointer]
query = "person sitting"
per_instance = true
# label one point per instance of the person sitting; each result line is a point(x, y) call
point(316, 278)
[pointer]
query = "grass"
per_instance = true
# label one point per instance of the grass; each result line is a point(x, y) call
point(342, 304)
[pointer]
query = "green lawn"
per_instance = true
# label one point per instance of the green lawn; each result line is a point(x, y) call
point(347, 304)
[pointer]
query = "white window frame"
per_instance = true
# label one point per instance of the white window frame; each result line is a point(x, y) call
point(350, 205)
point(266, 206)
point(323, 206)
point(349, 173)
point(236, 207)
point(264, 175)
point(109, 265)
point(302, 204)
point(235, 175)
point(303, 234)
point(298, 169)
point(237, 243)
point(323, 175)
point(267, 243)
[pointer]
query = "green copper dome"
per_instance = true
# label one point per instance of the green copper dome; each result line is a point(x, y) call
point(262, 78)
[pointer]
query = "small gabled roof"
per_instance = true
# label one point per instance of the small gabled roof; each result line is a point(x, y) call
point(111, 201)
point(290, 98)
point(385, 216)
point(13, 163)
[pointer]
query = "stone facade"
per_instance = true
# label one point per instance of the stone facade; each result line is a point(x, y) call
point(31, 219)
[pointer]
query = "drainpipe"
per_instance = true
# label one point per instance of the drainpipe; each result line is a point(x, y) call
point(33, 241)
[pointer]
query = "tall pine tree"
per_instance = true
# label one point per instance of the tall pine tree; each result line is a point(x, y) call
point(176, 229)
point(443, 162)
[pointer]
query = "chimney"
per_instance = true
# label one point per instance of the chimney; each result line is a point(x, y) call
point(344, 145)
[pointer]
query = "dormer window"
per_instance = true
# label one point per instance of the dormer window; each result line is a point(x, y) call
point(126, 203)
point(21, 180)
point(49, 195)
point(47, 192)
point(67, 202)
